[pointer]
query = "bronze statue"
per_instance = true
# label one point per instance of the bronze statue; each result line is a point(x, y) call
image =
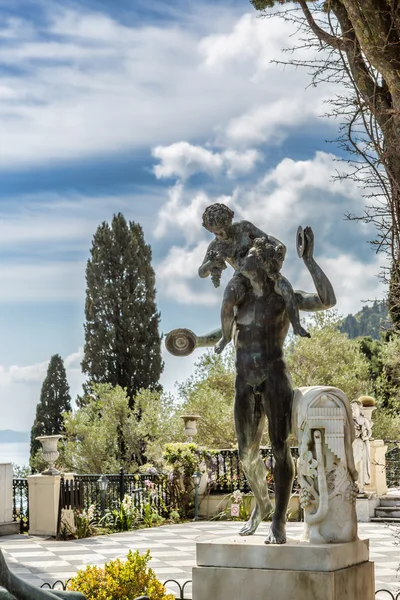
point(263, 387)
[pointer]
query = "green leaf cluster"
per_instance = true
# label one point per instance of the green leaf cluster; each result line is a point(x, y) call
point(210, 393)
point(120, 580)
point(329, 357)
point(105, 434)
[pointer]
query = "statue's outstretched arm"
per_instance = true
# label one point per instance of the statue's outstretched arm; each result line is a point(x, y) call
point(182, 342)
point(325, 296)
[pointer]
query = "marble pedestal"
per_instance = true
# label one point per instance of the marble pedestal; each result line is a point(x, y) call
point(237, 568)
point(7, 525)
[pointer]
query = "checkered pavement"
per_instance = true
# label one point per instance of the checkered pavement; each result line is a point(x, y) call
point(172, 548)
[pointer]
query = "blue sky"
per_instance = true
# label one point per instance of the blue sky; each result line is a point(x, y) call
point(156, 110)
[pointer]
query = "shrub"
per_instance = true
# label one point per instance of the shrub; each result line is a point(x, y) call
point(119, 580)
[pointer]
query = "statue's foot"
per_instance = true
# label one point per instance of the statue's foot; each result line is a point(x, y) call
point(219, 346)
point(255, 519)
point(301, 332)
point(277, 533)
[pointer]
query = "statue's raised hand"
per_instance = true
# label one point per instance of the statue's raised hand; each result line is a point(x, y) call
point(308, 243)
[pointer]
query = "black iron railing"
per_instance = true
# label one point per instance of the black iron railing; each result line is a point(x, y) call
point(387, 595)
point(21, 503)
point(137, 485)
point(393, 464)
point(226, 473)
point(172, 584)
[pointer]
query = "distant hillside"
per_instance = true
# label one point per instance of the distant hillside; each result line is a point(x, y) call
point(7, 436)
point(370, 320)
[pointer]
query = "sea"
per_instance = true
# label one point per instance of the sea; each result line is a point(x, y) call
point(17, 452)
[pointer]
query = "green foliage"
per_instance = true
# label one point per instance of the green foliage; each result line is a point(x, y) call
point(122, 341)
point(388, 383)
point(184, 460)
point(386, 425)
point(158, 422)
point(123, 517)
point(120, 580)
point(328, 358)
point(210, 393)
point(369, 321)
point(93, 433)
point(150, 513)
point(54, 400)
point(384, 372)
point(21, 470)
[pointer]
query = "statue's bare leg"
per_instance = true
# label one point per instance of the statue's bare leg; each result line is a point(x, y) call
point(278, 398)
point(233, 295)
point(249, 424)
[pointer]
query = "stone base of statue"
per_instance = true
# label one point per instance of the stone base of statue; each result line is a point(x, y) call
point(244, 568)
point(365, 506)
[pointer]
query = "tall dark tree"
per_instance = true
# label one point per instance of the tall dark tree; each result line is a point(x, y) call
point(54, 400)
point(122, 340)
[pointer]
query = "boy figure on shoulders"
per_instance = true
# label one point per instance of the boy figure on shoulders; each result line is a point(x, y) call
point(232, 244)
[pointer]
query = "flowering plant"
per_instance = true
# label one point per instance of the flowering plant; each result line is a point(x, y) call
point(85, 522)
point(122, 517)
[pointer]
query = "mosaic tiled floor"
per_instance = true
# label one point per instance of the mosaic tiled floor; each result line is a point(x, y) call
point(172, 547)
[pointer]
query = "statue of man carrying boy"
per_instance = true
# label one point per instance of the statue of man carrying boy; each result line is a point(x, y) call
point(258, 306)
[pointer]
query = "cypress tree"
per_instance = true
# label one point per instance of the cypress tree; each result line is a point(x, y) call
point(54, 400)
point(122, 340)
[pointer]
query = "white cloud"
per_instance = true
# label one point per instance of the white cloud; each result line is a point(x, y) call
point(184, 216)
point(100, 87)
point(176, 273)
point(353, 280)
point(251, 40)
point(270, 121)
point(183, 160)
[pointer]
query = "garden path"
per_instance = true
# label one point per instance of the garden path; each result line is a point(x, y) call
point(172, 547)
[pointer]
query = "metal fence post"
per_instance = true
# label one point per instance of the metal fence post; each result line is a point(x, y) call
point(121, 484)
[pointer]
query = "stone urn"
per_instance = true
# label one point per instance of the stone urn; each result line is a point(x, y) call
point(190, 423)
point(50, 452)
point(368, 406)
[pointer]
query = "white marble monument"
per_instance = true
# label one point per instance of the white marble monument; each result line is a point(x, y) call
point(330, 563)
point(322, 422)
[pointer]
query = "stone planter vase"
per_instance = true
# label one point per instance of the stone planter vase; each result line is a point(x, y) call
point(50, 452)
point(190, 423)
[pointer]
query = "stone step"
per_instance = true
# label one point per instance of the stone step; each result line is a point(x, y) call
point(387, 511)
point(385, 519)
point(389, 501)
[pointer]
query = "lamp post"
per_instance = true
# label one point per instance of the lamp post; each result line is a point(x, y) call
point(196, 480)
point(102, 484)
